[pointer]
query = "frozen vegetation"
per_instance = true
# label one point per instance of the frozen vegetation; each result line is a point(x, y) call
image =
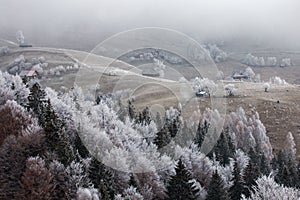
point(64, 146)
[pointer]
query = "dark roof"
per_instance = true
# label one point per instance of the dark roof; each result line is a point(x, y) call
point(238, 75)
point(25, 45)
point(150, 72)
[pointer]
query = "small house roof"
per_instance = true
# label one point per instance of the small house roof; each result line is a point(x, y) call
point(201, 93)
point(150, 72)
point(31, 73)
point(239, 75)
point(28, 73)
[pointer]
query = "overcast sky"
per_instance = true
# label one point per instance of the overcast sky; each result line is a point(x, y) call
point(59, 21)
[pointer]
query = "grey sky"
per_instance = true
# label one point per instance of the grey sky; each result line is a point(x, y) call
point(275, 21)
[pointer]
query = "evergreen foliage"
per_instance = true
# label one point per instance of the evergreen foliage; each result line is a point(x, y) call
point(236, 190)
point(223, 150)
point(180, 185)
point(216, 190)
point(251, 173)
point(202, 130)
point(102, 179)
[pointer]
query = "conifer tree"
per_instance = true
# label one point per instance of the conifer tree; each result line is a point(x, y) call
point(251, 173)
point(56, 137)
point(180, 185)
point(102, 179)
point(36, 102)
point(223, 149)
point(286, 169)
point(200, 134)
point(131, 111)
point(62, 189)
point(265, 167)
point(236, 190)
point(216, 190)
point(163, 137)
point(132, 181)
point(80, 147)
point(174, 126)
point(159, 121)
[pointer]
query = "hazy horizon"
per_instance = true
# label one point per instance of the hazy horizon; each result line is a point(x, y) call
point(81, 24)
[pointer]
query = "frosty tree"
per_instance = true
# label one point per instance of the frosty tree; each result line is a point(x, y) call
point(20, 37)
point(204, 84)
point(267, 188)
point(285, 62)
point(266, 87)
point(252, 60)
point(216, 53)
point(4, 50)
point(249, 72)
point(271, 61)
point(230, 88)
point(290, 145)
point(276, 80)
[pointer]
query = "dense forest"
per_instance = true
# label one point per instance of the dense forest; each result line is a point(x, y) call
point(58, 145)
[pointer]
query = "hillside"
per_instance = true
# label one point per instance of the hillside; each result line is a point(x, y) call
point(279, 118)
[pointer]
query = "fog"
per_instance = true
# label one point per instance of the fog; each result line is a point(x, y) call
point(81, 24)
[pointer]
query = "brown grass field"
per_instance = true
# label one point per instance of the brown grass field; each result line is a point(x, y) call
point(278, 118)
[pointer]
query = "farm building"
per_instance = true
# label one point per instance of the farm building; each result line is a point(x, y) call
point(239, 76)
point(28, 74)
point(25, 45)
point(150, 72)
point(201, 93)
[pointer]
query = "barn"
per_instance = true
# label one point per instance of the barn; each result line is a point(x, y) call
point(150, 72)
point(28, 74)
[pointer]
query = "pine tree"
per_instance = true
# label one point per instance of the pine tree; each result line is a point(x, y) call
point(251, 173)
point(146, 115)
point(36, 101)
point(36, 182)
point(222, 149)
point(63, 148)
point(104, 191)
point(159, 121)
point(236, 190)
point(80, 147)
point(56, 136)
point(216, 190)
point(62, 189)
point(254, 157)
point(102, 179)
point(174, 126)
point(202, 130)
point(286, 170)
point(131, 111)
point(265, 167)
point(286, 178)
point(279, 165)
point(163, 137)
point(298, 175)
point(132, 181)
point(231, 146)
point(51, 126)
point(180, 185)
